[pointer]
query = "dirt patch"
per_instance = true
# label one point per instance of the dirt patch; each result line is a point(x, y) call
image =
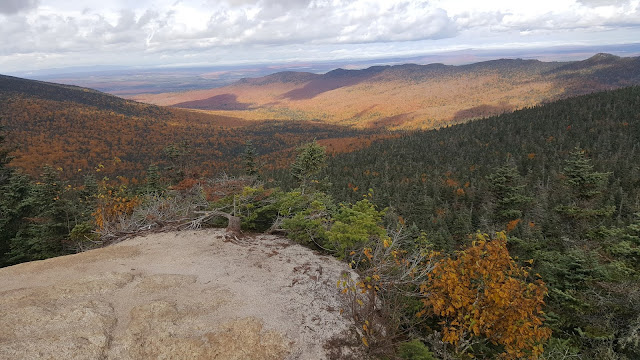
point(185, 295)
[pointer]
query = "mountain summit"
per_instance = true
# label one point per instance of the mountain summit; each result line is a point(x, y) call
point(174, 295)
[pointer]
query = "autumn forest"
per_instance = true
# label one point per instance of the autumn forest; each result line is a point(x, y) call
point(492, 210)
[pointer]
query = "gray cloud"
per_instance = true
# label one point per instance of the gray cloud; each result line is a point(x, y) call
point(15, 6)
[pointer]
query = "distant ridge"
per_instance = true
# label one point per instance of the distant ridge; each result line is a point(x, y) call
point(59, 92)
point(283, 77)
point(410, 96)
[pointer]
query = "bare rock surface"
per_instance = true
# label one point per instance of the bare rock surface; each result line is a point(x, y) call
point(182, 295)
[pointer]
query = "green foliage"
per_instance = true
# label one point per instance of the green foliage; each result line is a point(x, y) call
point(414, 350)
point(306, 217)
point(39, 218)
point(582, 180)
point(558, 349)
point(5, 158)
point(310, 161)
point(153, 182)
point(49, 222)
point(178, 159)
point(506, 185)
point(14, 190)
point(256, 206)
point(354, 226)
point(250, 158)
point(581, 204)
point(14, 208)
point(573, 214)
point(83, 236)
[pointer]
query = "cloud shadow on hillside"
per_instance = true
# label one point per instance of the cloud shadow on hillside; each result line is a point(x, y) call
point(218, 102)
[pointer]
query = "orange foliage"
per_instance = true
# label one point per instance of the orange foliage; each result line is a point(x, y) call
point(186, 184)
point(512, 224)
point(482, 292)
point(399, 97)
point(441, 211)
point(112, 204)
point(451, 182)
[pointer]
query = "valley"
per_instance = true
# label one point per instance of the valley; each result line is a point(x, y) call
point(408, 96)
point(419, 177)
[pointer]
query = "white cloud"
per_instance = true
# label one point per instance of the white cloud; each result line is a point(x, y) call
point(150, 32)
point(597, 3)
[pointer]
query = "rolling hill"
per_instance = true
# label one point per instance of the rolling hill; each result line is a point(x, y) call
point(80, 130)
point(409, 96)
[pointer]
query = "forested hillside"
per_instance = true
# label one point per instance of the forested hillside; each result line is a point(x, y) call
point(557, 185)
point(418, 172)
point(563, 179)
point(410, 96)
point(79, 130)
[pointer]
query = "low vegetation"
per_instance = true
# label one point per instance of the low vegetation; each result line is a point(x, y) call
point(398, 272)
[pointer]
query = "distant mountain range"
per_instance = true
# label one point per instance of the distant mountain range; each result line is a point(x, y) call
point(409, 96)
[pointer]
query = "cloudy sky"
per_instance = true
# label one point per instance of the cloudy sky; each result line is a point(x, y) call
point(38, 34)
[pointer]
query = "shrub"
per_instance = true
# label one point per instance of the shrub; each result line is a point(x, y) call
point(481, 293)
point(354, 226)
point(414, 350)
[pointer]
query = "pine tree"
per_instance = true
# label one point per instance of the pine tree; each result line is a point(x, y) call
point(51, 218)
point(14, 188)
point(508, 189)
point(583, 181)
point(13, 211)
point(178, 157)
point(153, 183)
point(250, 159)
point(5, 159)
point(311, 159)
point(582, 209)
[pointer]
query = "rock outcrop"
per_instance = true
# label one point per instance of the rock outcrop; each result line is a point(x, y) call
point(183, 295)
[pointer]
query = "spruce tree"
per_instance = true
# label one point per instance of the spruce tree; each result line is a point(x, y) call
point(153, 182)
point(7, 203)
point(582, 207)
point(50, 220)
point(311, 159)
point(5, 159)
point(508, 189)
point(250, 159)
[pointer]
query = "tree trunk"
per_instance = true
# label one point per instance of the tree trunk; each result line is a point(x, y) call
point(234, 224)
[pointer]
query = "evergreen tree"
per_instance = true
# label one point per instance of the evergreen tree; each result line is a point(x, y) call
point(249, 157)
point(581, 208)
point(14, 188)
point(5, 158)
point(51, 218)
point(508, 189)
point(14, 209)
point(177, 156)
point(153, 182)
point(310, 161)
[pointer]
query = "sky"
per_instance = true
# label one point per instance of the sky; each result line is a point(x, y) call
point(43, 34)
